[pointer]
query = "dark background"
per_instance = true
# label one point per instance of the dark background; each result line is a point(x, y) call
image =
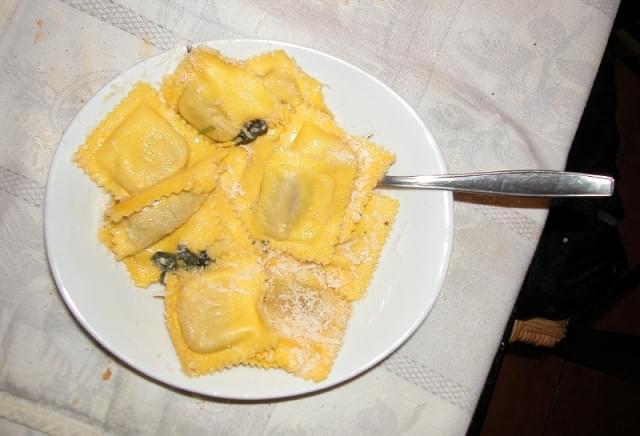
point(589, 384)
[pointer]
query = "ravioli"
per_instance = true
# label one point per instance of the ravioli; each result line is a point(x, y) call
point(298, 186)
point(199, 178)
point(144, 218)
point(352, 266)
point(355, 260)
point(310, 323)
point(213, 316)
point(241, 194)
point(152, 223)
point(300, 205)
point(140, 143)
point(308, 304)
point(286, 80)
point(373, 163)
point(214, 228)
point(218, 96)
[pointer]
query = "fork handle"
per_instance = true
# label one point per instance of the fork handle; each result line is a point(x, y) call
point(520, 183)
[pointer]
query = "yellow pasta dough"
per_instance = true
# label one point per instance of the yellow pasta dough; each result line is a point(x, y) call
point(298, 185)
point(240, 193)
point(199, 178)
point(213, 228)
point(355, 260)
point(286, 80)
point(140, 143)
point(373, 163)
point(152, 223)
point(301, 204)
point(310, 323)
point(212, 315)
point(218, 96)
point(352, 266)
point(213, 318)
point(308, 303)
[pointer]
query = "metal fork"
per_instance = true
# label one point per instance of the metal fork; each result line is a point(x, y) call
point(520, 183)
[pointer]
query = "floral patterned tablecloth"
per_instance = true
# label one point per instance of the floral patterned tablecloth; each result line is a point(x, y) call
point(500, 83)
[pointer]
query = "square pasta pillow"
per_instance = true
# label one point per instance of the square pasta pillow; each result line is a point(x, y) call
point(303, 188)
point(140, 220)
point(213, 317)
point(310, 323)
point(139, 143)
point(237, 101)
point(220, 97)
point(213, 314)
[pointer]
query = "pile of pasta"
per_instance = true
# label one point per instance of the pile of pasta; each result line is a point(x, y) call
point(234, 187)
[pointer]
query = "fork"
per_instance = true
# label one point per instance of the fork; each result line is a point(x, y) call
point(520, 183)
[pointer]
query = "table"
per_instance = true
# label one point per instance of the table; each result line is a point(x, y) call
point(501, 84)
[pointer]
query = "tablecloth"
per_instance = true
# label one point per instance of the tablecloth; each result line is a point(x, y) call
point(500, 83)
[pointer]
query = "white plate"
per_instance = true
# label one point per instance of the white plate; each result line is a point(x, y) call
point(129, 322)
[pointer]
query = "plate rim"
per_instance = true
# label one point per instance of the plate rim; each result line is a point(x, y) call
point(317, 387)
